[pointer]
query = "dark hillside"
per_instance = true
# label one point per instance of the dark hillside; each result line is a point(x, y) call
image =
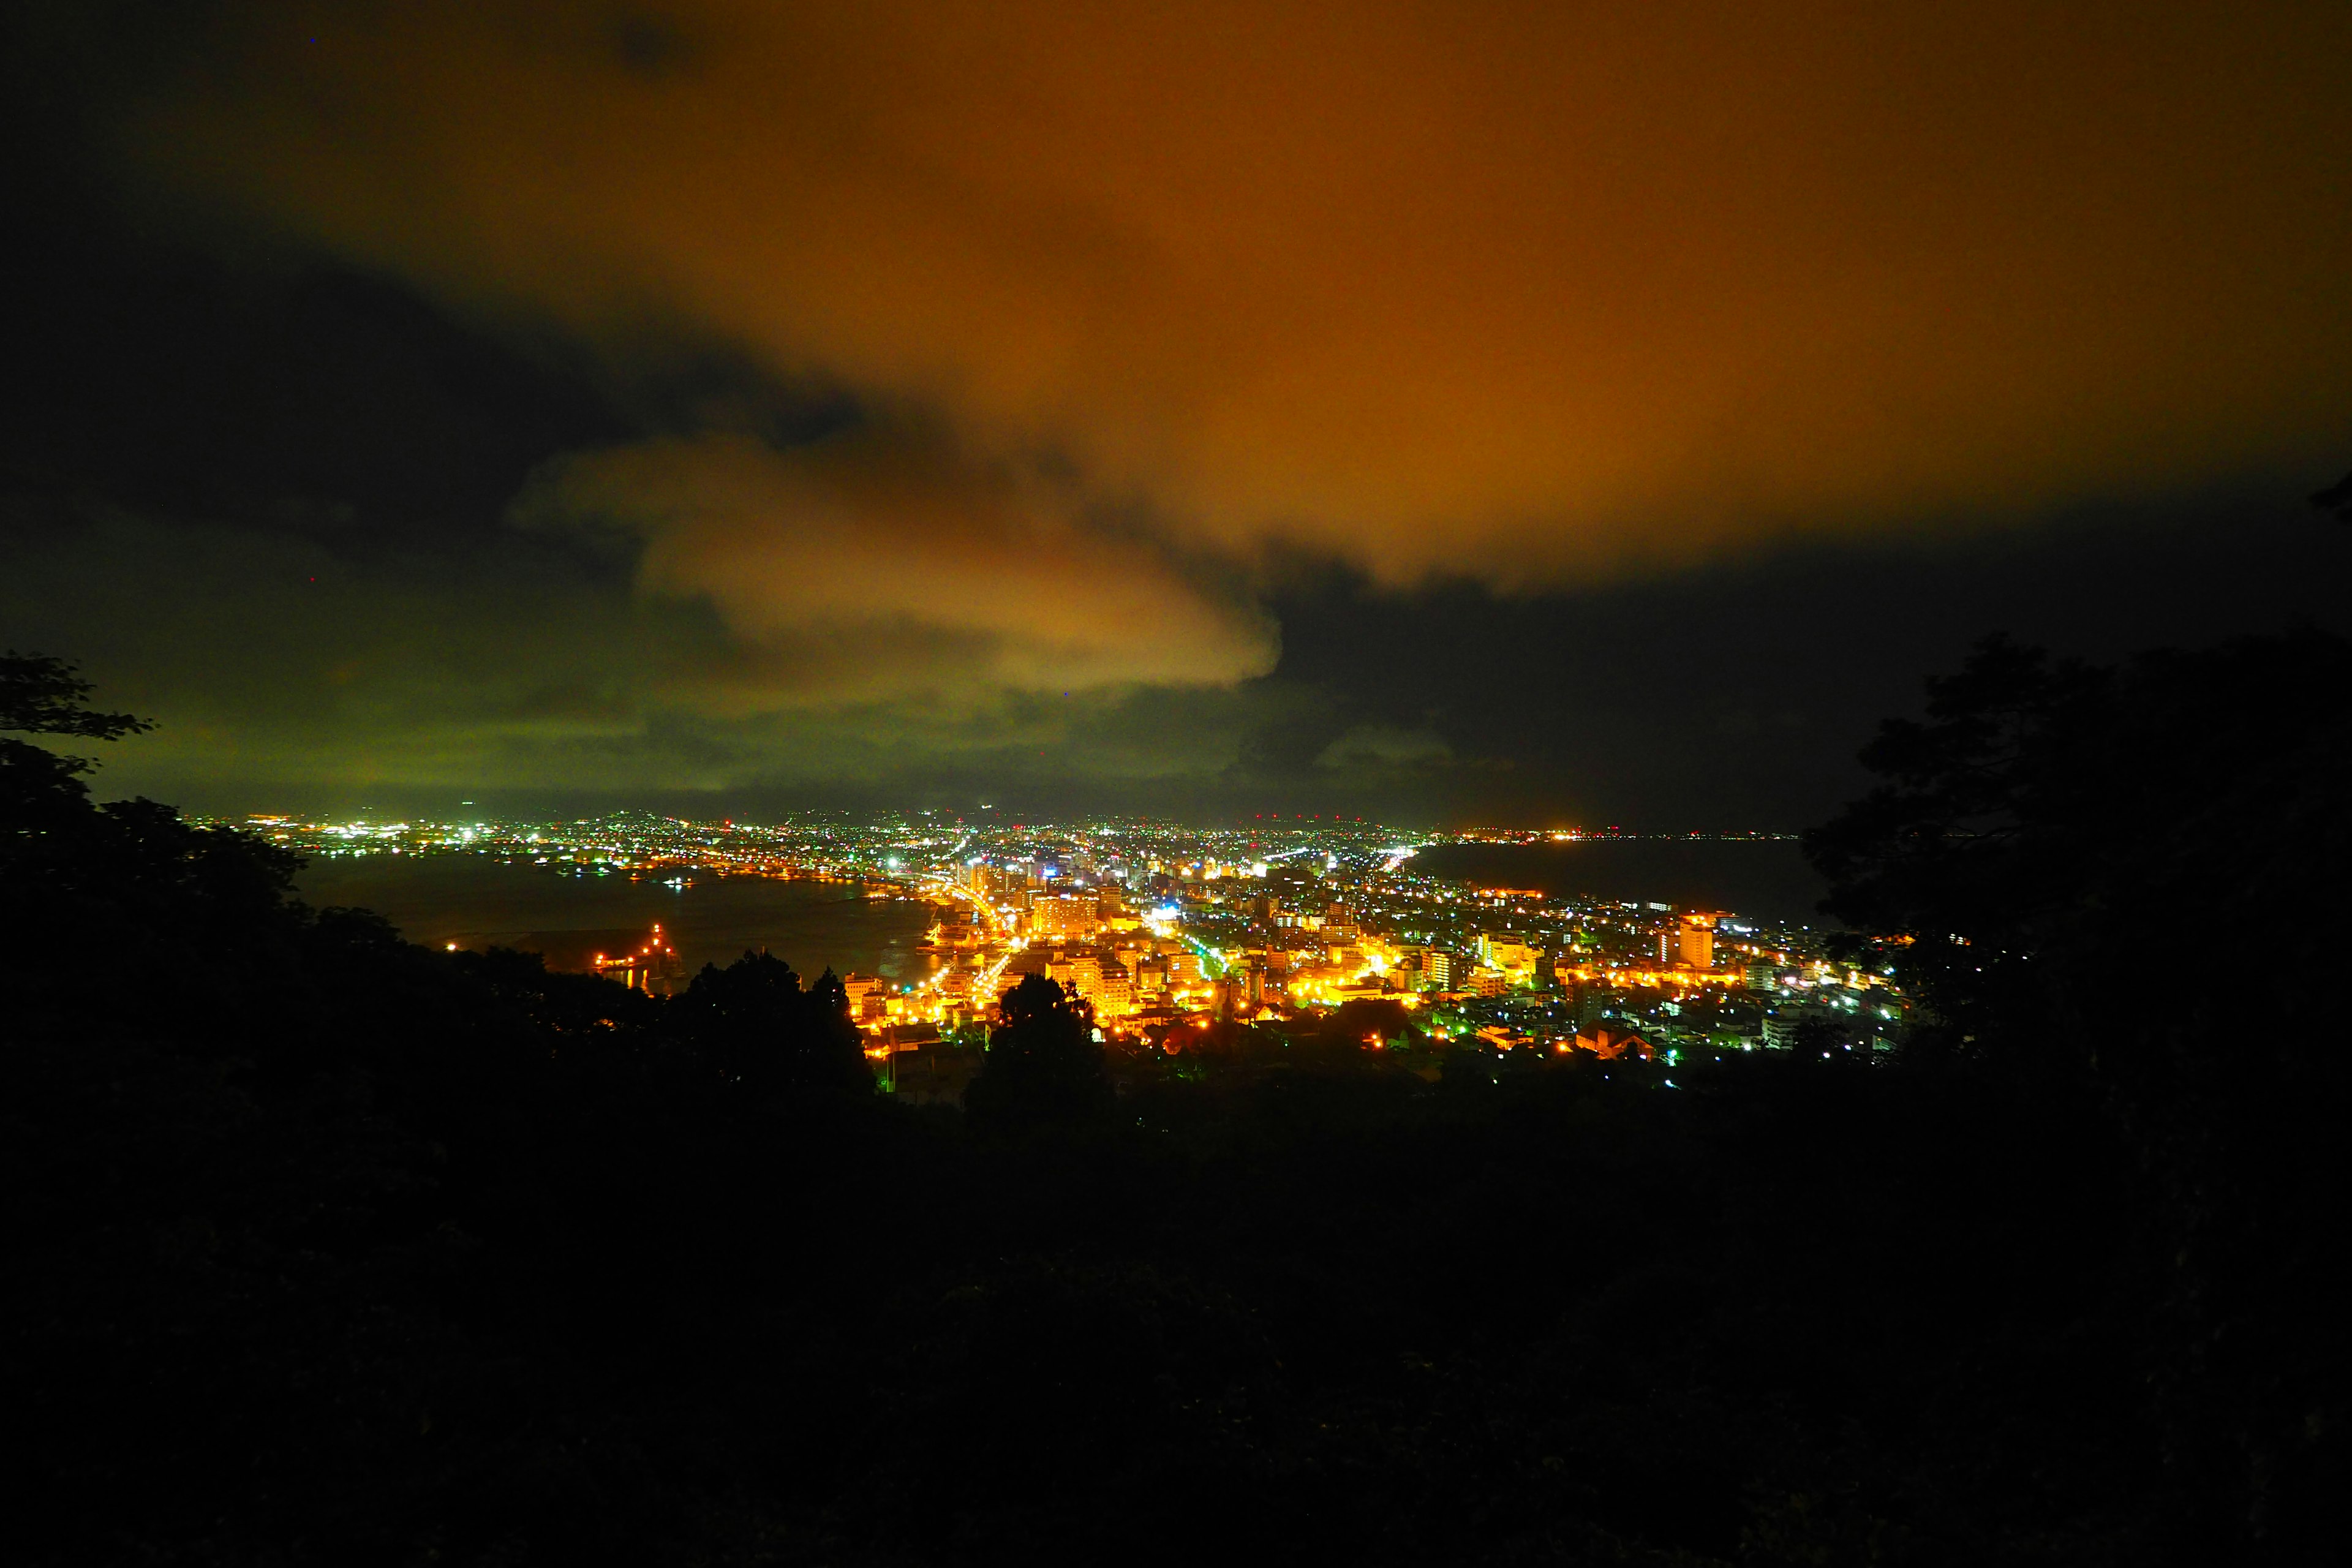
point(328, 1248)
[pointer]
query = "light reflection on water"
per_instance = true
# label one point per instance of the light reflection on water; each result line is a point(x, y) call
point(439, 898)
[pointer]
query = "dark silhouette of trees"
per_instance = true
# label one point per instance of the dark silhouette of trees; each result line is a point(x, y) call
point(1043, 1068)
point(2336, 499)
point(753, 1023)
point(40, 695)
point(1363, 1020)
point(2125, 879)
point(120, 914)
point(43, 695)
point(311, 1227)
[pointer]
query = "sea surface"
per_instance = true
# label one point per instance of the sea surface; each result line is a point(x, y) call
point(1765, 878)
point(475, 900)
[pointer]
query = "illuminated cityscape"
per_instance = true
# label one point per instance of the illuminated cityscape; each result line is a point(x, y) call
point(854, 786)
point(1189, 939)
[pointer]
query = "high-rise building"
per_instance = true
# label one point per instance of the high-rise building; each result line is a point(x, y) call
point(994, 882)
point(1114, 996)
point(1695, 941)
point(1064, 915)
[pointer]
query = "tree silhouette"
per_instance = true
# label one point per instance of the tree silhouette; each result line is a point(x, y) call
point(44, 696)
point(1951, 848)
point(752, 1022)
point(1043, 1068)
point(120, 915)
point(2336, 499)
point(41, 695)
point(2088, 866)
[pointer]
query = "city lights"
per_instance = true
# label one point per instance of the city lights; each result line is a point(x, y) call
point(1158, 926)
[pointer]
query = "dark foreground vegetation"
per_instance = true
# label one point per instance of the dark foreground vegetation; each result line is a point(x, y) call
point(324, 1248)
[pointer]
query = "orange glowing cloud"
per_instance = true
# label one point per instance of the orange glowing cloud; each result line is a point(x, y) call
point(845, 558)
point(1524, 291)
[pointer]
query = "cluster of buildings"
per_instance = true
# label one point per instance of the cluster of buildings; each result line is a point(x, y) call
point(1161, 926)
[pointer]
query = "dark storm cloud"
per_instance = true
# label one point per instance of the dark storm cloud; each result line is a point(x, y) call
point(1737, 695)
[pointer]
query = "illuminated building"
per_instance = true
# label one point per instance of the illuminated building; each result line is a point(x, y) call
point(1695, 941)
point(997, 885)
point(865, 998)
point(1065, 915)
point(1115, 997)
point(1508, 952)
point(1080, 973)
point(1783, 1025)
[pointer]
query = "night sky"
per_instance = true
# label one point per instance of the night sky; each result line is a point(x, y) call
point(1462, 413)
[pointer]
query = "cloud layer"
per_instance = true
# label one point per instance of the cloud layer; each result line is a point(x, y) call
point(719, 395)
point(862, 566)
point(1516, 290)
